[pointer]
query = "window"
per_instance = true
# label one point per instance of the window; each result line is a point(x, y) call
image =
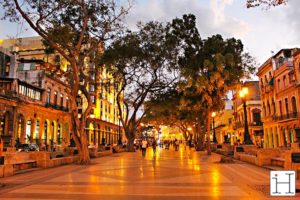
point(37, 95)
point(48, 95)
point(280, 108)
point(92, 88)
point(294, 105)
point(264, 109)
point(291, 78)
point(284, 83)
point(256, 117)
point(61, 100)
point(67, 102)
point(286, 105)
point(93, 99)
point(55, 98)
point(278, 84)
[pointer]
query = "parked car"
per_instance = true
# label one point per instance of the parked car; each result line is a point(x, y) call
point(27, 147)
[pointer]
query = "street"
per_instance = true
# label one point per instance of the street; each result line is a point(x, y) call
point(183, 174)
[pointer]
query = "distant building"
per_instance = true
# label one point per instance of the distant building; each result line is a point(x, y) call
point(223, 124)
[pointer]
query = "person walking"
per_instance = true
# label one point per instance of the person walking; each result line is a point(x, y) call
point(144, 147)
point(154, 145)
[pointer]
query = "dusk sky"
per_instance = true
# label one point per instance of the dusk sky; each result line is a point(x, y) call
point(262, 31)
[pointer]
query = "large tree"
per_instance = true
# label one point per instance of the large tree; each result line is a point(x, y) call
point(143, 62)
point(77, 30)
point(209, 67)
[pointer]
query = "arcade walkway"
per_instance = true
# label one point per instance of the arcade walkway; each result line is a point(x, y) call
point(169, 176)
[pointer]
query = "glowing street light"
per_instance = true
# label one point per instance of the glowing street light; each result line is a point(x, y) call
point(243, 93)
point(213, 114)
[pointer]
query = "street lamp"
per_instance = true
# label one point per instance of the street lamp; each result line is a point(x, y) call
point(119, 130)
point(213, 114)
point(243, 93)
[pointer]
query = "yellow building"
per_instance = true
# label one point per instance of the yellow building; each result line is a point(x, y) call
point(44, 70)
point(223, 124)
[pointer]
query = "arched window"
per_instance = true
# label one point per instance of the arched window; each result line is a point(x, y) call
point(273, 107)
point(67, 102)
point(61, 100)
point(284, 82)
point(286, 106)
point(55, 98)
point(294, 105)
point(278, 83)
point(280, 107)
point(48, 96)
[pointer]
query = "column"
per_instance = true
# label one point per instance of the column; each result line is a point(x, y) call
point(32, 130)
point(41, 131)
point(266, 139)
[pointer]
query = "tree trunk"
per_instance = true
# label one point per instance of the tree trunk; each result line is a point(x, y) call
point(84, 159)
point(208, 132)
point(80, 140)
point(130, 144)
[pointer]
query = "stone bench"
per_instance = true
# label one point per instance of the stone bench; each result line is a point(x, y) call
point(25, 164)
point(277, 161)
point(248, 158)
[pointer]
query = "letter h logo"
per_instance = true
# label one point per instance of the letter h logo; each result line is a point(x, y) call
point(282, 183)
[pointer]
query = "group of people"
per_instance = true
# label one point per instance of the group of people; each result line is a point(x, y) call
point(144, 144)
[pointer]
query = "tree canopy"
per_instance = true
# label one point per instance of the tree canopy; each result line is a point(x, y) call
point(143, 62)
point(77, 30)
point(266, 3)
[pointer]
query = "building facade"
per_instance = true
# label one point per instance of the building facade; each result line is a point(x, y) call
point(34, 97)
point(223, 124)
point(279, 78)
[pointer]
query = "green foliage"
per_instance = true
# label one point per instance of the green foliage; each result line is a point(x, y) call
point(266, 3)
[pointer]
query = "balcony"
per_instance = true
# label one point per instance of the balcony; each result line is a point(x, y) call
point(287, 116)
point(56, 107)
point(288, 62)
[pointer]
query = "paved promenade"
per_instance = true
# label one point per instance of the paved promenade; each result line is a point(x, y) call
point(169, 175)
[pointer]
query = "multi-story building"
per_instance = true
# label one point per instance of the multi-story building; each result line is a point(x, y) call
point(268, 99)
point(279, 83)
point(30, 111)
point(253, 111)
point(27, 69)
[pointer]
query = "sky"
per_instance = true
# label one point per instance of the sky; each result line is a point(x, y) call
point(261, 30)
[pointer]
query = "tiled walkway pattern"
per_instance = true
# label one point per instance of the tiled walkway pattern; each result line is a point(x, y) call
point(169, 175)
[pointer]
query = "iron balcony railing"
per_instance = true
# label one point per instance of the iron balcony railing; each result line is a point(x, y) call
point(286, 116)
point(57, 107)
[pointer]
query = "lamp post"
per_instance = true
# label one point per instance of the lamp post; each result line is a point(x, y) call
point(119, 130)
point(243, 93)
point(213, 114)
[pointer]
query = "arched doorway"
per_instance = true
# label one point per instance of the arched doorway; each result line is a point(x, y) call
point(292, 135)
point(28, 131)
point(59, 134)
point(37, 132)
point(20, 136)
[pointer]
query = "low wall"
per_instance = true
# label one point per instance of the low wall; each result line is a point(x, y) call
point(1, 171)
point(248, 158)
point(264, 156)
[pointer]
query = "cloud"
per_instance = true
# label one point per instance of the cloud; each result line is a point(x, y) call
point(211, 18)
